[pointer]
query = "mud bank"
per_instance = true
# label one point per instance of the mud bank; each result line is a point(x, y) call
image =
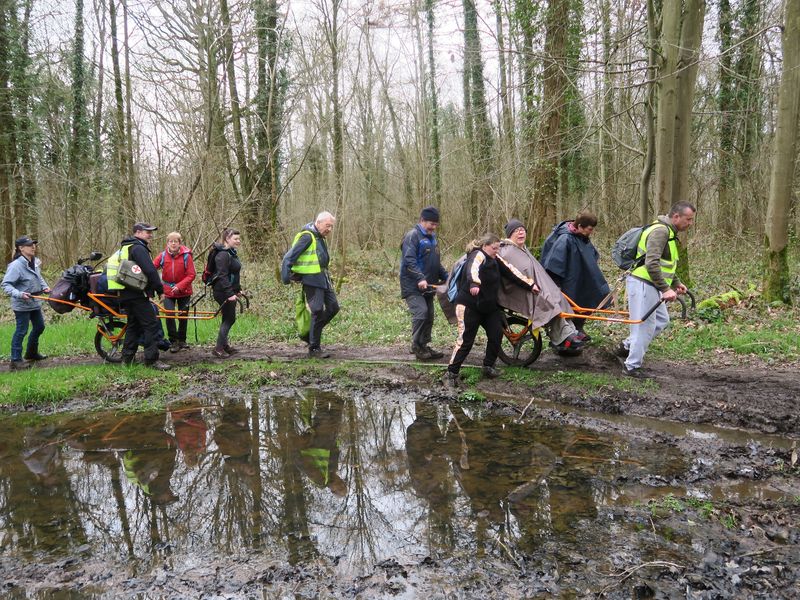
point(530, 486)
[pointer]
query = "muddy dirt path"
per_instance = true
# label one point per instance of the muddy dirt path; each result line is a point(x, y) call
point(751, 395)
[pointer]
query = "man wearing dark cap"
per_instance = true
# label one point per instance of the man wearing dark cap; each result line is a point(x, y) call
point(421, 267)
point(142, 321)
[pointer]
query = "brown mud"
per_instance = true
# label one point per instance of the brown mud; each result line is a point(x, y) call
point(724, 524)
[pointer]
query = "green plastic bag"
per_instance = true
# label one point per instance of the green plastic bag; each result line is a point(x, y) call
point(302, 315)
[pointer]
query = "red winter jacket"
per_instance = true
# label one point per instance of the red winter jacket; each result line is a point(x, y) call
point(177, 272)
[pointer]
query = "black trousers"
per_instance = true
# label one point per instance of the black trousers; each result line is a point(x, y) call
point(228, 314)
point(176, 328)
point(323, 306)
point(142, 323)
point(469, 320)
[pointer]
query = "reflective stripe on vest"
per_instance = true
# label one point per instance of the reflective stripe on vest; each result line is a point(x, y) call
point(668, 266)
point(308, 262)
point(112, 267)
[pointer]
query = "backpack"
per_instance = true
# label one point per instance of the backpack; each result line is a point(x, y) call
point(209, 271)
point(163, 256)
point(455, 277)
point(626, 248)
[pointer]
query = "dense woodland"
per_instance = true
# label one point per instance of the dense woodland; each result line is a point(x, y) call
point(196, 114)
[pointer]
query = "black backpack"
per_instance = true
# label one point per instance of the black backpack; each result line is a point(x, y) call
point(209, 272)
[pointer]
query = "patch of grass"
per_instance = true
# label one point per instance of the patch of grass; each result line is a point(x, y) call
point(668, 503)
point(729, 521)
point(471, 396)
point(579, 380)
point(43, 386)
point(703, 507)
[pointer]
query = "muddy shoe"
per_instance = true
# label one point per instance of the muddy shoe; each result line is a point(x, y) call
point(19, 365)
point(159, 366)
point(231, 350)
point(450, 380)
point(174, 347)
point(490, 372)
point(422, 353)
point(583, 337)
point(636, 373)
point(35, 356)
point(435, 354)
point(183, 345)
point(621, 351)
point(219, 353)
point(318, 353)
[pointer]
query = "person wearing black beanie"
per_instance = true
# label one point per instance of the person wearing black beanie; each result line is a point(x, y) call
point(420, 268)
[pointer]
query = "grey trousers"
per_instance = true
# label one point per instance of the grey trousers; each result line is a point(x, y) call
point(641, 298)
point(421, 308)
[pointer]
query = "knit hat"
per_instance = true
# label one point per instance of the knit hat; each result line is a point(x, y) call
point(513, 225)
point(429, 213)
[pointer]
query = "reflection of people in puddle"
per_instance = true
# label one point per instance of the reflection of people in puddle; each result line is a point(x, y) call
point(190, 433)
point(233, 438)
point(317, 453)
point(429, 469)
point(151, 470)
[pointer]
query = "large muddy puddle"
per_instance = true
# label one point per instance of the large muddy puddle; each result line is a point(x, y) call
point(308, 475)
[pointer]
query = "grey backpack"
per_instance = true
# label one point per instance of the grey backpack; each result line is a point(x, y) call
point(625, 249)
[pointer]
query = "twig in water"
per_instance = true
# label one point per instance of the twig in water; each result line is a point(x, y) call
point(524, 410)
point(628, 572)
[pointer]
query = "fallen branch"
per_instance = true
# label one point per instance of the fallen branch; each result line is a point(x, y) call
point(628, 572)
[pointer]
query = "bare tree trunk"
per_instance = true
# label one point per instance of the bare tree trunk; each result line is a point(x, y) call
point(691, 34)
point(667, 103)
point(650, 155)
point(784, 155)
point(6, 125)
point(128, 109)
point(545, 181)
point(236, 113)
point(78, 141)
point(127, 211)
point(433, 109)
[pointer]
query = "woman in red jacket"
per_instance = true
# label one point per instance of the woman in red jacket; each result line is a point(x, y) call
point(177, 273)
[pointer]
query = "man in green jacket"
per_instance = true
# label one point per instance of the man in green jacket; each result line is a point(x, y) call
point(652, 281)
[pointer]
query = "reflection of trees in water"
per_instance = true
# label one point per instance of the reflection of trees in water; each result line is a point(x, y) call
point(37, 502)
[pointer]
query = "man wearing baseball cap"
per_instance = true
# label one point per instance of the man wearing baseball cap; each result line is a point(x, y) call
point(421, 267)
point(142, 321)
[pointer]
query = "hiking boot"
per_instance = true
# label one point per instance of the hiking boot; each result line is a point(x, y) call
point(571, 346)
point(19, 365)
point(450, 380)
point(621, 351)
point(183, 345)
point(435, 354)
point(490, 372)
point(174, 347)
point(318, 353)
point(219, 353)
point(422, 353)
point(230, 350)
point(34, 356)
point(583, 337)
point(636, 373)
point(158, 365)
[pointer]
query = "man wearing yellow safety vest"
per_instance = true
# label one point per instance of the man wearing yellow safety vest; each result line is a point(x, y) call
point(651, 281)
point(307, 261)
point(142, 320)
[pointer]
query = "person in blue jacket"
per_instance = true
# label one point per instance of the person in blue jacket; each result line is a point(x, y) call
point(571, 260)
point(421, 267)
point(23, 279)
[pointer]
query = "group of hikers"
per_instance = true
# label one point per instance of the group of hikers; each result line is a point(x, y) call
point(494, 274)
